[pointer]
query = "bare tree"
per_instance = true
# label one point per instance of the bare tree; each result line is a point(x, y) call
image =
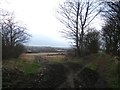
point(111, 29)
point(13, 34)
point(77, 15)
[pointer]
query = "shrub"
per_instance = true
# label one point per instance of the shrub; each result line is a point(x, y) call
point(12, 52)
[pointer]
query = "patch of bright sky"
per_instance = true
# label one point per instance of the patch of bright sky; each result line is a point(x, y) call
point(40, 19)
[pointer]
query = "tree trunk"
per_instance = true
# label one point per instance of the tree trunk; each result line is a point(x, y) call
point(77, 33)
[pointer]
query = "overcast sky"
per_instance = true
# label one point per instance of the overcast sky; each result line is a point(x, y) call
point(39, 16)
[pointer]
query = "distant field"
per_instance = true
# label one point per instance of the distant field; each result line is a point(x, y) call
point(55, 57)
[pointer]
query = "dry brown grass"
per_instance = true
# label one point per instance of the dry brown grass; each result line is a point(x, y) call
point(55, 58)
point(52, 57)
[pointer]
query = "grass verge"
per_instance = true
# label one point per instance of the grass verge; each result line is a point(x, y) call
point(22, 65)
point(103, 64)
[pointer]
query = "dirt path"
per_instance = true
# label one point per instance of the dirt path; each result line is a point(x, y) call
point(54, 75)
point(73, 72)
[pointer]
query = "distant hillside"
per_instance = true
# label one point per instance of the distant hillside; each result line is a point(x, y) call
point(44, 49)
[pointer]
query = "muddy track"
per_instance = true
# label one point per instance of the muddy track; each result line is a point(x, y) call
point(74, 75)
point(81, 77)
point(60, 75)
point(73, 71)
